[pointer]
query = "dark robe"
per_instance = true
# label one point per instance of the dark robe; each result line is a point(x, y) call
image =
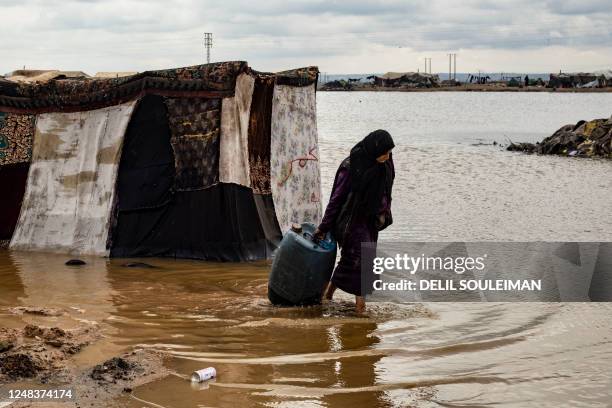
point(347, 275)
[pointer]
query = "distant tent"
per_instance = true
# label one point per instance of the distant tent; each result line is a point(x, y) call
point(209, 162)
point(597, 79)
point(114, 74)
point(34, 75)
point(410, 79)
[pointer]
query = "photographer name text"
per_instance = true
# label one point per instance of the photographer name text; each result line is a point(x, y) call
point(461, 285)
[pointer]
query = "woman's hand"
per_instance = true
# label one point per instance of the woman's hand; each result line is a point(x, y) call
point(318, 235)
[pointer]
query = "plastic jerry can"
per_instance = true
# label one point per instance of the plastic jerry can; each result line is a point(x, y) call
point(301, 267)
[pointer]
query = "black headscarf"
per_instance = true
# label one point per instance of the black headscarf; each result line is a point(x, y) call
point(370, 180)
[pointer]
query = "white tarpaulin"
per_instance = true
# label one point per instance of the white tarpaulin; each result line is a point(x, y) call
point(71, 183)
point(294, 165)
point(606, 73)
point(233, 148)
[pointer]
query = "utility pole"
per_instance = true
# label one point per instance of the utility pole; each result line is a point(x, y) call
point(452, 57)
point(208, 45)
point(427, 60)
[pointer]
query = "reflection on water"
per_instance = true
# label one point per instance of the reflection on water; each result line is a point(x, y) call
point(48, 282)
point(435, 355)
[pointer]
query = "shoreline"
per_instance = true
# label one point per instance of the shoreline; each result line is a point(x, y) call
point(470, 88)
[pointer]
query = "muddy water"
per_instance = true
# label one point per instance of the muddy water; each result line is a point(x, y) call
point(206, 314)
point(434, 355)
point(453, 185)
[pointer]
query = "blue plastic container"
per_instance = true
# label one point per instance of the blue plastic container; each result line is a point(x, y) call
point(301, 268)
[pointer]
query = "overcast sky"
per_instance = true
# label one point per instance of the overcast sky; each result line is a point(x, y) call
point(339, 36)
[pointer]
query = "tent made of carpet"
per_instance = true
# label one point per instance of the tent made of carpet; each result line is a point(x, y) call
point(209, 162)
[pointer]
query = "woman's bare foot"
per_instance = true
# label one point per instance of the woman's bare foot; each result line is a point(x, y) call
point(360, 304)
point(328, 293)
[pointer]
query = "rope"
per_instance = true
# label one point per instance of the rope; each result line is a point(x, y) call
point(301, 162)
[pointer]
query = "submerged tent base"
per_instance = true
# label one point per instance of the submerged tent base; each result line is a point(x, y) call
point(13, 178)
point(154, 217)
point(219, 223)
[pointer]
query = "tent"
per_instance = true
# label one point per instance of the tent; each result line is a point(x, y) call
point(410, 79)
point(597, 79)
point(208, 162)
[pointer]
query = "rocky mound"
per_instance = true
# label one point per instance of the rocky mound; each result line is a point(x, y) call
point(115, 369)
point(38, 351)
point(584, 139)
point(43, 355)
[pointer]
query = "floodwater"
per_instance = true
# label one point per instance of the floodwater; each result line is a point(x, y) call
point(420, 355)
point(447, 189)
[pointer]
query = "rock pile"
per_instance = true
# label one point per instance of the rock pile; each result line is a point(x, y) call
point(117, 368)
point(585, 139)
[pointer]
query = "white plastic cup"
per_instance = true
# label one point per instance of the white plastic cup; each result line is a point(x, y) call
point(204, 374)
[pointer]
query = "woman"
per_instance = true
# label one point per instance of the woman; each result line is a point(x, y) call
point(359, 207)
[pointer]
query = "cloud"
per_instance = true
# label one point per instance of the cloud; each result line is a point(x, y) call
point(582, 7)
point(100, 35)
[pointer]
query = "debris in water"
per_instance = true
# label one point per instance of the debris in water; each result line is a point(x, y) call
point(40, 311)
point(116, 368)
point(138, 265)
point(204, 374)
point(583, 139)
point(75, 262)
